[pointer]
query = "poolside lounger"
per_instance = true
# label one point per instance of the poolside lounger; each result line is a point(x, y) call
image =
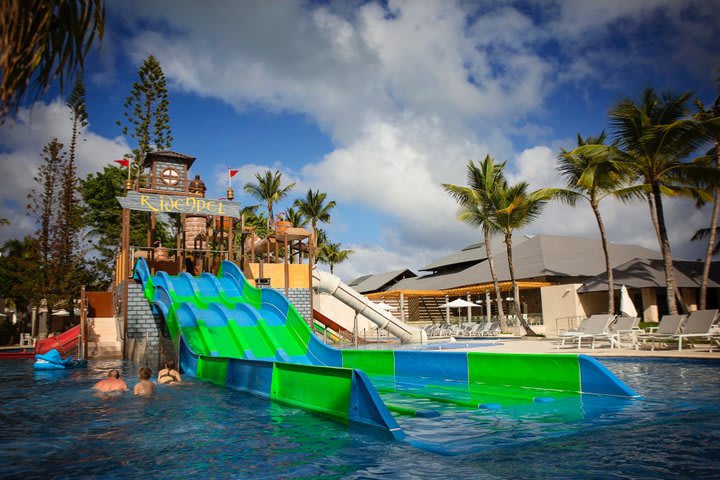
point(481, 329)
point(699, 325)
point(624, 327)
point(580, 328)
point(477, 329)
point(432, 330)
point(493, 328)
point(593, 328)
point(670, 326)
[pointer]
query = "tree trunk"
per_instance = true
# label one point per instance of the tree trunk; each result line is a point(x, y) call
point(498, 294)
point(516, 291)
point(653, 216)
point(313, 244)
point(665, 250)
point(608, 269)
point(712, 235)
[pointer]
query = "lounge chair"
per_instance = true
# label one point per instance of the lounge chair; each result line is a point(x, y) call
point(593, 328)
point(670, 326)
point(580, 328)
point(493, 328)
point(699, 325)
point(477, 329)
point(624, 327)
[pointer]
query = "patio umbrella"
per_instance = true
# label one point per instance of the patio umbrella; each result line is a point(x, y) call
point(385, 306)
point(626, 304)
point(458, 303)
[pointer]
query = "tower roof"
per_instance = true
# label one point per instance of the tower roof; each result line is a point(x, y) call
point(170, 155)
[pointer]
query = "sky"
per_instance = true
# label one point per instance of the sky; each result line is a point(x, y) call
point(378, 104)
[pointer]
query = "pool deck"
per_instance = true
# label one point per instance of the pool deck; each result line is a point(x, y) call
point(548, 345)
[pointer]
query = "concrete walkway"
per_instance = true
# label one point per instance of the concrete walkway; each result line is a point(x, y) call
point(545, 345)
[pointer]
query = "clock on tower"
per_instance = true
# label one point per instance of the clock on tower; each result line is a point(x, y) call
point(168, 172)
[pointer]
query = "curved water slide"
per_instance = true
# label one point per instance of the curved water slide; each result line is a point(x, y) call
point(229, 333)
point(226, 316)
point(332, 285)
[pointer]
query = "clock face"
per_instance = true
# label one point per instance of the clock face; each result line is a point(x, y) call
point(169, 176)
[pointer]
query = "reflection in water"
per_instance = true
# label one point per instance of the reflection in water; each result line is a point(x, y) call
point(54, 426)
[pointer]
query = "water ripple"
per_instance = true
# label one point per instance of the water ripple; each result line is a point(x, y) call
point(53, 426)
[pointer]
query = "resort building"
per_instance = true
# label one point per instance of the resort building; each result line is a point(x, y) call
point(561, 279)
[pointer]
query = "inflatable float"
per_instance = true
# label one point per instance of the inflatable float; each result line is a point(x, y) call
point(52, 360)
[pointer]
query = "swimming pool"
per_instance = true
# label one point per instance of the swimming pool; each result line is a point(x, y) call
point(464, 343)
point(53, 426)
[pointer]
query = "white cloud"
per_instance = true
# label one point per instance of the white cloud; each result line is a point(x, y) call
point(369, 259)
point(408, 93)
point(24, 140)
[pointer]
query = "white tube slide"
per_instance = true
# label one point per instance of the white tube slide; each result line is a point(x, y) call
point(330, 284)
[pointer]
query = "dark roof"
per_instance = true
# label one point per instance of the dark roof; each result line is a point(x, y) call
point(471, 254)
point(644, 273)
point(358, 280)
point(536, 257)
point(187, 159)
point(379, 282)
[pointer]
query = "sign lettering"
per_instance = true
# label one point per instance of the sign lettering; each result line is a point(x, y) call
point(149, 202)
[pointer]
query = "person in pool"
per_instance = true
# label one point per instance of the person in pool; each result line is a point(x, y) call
point(169, 374)
point(112, 383)
point(145, 387)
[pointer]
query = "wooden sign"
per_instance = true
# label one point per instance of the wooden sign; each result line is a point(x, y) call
point(149, 202)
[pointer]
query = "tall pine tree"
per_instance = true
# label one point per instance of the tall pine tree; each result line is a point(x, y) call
point(147, 119)
point(66, 246)
point(42, 207)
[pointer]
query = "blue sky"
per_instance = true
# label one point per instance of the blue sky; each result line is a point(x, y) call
point(377, 104)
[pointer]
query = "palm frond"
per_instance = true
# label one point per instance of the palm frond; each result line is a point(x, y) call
point(633, 193)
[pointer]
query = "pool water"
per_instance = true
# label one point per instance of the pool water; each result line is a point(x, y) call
point(53, 426)
point(463, 343)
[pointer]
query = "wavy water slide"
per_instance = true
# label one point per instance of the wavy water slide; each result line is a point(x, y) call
point(230, 333)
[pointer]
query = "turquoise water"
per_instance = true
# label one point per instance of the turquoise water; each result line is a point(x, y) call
point(53, 427)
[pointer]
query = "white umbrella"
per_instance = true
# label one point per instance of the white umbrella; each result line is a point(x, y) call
point(385, 306)
point(457, 303)
point(626, 304)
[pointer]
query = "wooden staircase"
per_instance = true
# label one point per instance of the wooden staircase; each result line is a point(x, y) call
point(102, 339)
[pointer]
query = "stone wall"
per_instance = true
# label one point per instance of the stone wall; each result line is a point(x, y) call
point(142, 325)
point(300, 298)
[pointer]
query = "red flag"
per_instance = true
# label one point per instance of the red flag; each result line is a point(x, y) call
point(232, 173)
point(124, 162)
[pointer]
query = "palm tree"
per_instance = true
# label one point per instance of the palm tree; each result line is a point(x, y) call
point(298, 220)
point(42, 41)
point(332, 254)
point(296, 217)
point(514, 208)
point(593, 178)
point(709, 123)
point(653, 138)
point(476, 209)
point(269, 189)
point(314, 208)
